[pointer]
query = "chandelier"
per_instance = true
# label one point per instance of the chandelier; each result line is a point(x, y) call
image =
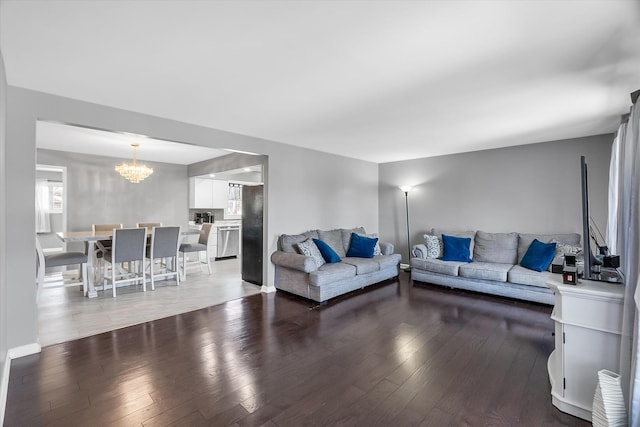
point(134, 172)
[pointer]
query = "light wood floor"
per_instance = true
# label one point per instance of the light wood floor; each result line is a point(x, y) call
point(64, 314)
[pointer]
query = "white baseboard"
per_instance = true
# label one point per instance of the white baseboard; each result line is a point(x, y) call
point(24, 350)
point(13, 353)
point(4, 387)
point(267, 289)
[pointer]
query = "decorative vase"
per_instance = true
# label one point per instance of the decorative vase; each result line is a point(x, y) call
point(608, 401)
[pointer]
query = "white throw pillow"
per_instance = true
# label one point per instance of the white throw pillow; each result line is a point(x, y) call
point(435, 247)
point(309, 248)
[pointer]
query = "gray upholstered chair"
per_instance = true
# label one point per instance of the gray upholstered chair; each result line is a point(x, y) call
point(58, 260)
point(101, 245)
point(201, 246)
point(164, 245)
point(128, 245)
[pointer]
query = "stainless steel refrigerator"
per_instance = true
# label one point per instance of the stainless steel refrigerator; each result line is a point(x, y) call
point(252, 225)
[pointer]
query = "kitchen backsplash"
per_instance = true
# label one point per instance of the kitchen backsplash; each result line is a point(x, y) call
point(218, 214)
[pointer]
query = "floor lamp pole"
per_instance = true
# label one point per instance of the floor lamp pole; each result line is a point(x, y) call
point(406, 204)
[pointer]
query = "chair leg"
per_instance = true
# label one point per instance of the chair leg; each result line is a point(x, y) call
point(39, 282)
point(144, 278)
point(113, 280)
point(208, 260)
point(176, 269)
point(83, 267)
point(184, 266)
point(153, 283)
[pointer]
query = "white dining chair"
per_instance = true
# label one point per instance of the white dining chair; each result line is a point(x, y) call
point(165, 242)
point(60, 259)
point(200, 247)
point(128, 245)
point(148, 225)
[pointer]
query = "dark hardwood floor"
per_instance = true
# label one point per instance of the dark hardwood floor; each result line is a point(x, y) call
point(394, 355)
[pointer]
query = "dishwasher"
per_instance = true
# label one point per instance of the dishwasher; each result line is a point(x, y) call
point(228, 241)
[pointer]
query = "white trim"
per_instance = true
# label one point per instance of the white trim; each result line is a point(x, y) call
point(24, 350)
point(4, 386)
point(13, 353)
point(267, 289)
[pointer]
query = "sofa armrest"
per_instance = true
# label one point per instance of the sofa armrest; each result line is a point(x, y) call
point(386, 248)
point(419, 251)
point(298, 262)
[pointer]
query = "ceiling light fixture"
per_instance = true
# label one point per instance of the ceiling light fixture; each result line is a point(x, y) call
point(134, 172)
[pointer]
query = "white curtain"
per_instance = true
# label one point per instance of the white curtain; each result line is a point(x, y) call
point(614, 188)
point(43, 224)
point(626, 214)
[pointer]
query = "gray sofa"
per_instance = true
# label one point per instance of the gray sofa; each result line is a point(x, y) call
point(300, 275)
point(495, 268)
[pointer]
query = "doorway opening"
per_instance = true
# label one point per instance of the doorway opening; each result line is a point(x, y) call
point(94, 193)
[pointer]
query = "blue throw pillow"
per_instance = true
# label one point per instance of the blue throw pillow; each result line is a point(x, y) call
point(456, 248)
point(362, 246)
point(328, 254)
point(539, 256)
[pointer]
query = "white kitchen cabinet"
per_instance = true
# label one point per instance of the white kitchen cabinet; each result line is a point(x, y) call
point(208, 193)
point(220, 194)
point(588, 327)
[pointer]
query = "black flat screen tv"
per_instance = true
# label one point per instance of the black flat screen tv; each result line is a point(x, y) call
point(586, 241)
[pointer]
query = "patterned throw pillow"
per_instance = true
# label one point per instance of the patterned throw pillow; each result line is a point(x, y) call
point(435, 248)
point(309, 248)
point(563, 249)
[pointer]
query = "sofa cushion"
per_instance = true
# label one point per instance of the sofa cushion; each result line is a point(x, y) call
point(289, 242)
point(362, 265)
point(434, 246)
point(524, 276)
point(449, 268)
point(485, 271)
point(524, 240)
point(501, 248)
point(330, 273)
point(329, 255)
point(309, 248)
point(333, 238)
point(456, 248)
point(387, 261)
point(346, 236)
point(362, 246)
point(469, 234)
point(539, 256)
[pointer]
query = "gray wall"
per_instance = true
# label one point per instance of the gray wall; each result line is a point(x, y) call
point(97, 194)
point(225, 163)
point(304, 188)
point(3, 230)
point(527, 188)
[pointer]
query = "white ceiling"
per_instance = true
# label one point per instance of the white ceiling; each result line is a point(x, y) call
point(62, 137)
point(375, 80)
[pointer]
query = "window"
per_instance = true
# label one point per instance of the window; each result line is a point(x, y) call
point(234, 203)
point(55, 197)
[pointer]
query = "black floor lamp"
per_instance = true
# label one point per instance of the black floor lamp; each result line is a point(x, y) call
point(405, 189)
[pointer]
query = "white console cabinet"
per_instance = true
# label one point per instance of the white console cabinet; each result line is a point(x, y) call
point(588, 327)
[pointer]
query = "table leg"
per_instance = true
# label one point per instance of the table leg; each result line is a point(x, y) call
point(91, 293)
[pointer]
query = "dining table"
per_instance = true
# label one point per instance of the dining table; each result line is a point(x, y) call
point(91, 238)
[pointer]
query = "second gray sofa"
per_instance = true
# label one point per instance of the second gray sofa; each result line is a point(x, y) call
point(495, 267)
